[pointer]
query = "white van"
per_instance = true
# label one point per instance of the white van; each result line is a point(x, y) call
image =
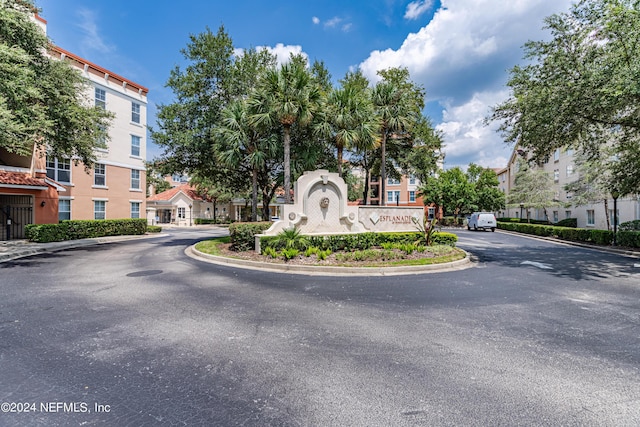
point(483, 220)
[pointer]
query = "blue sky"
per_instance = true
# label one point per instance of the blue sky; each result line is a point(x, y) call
point(459, 50)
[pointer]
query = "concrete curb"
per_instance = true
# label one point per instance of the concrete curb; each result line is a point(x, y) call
point(311, 270)
point(30, 249)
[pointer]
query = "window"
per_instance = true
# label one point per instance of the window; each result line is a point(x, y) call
point(569, 170)
point(392, 181)
point(135, 112)
point(591, 217)
point(182, 213)
point(102, 139)
point(556, 155)
point(567, 214)
point(101, 98)
point(615, 221)
point(100, 175)
point(393, 196)
point(412, 196)
point(135, 146)
point(64, 209)
point(556, 175)
point(412, 180)
point(135, 209)
point(135, 179)
point(99, 209)
point(431, 213)
point(59, 170)
point(555, 216)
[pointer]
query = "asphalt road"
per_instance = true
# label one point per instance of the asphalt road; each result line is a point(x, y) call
point(137, 333)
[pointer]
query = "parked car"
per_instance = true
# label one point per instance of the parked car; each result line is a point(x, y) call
point(482, 220)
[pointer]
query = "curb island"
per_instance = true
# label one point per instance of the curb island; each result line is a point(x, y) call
point(312, 270)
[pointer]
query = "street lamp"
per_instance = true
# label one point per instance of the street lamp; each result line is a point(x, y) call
point(190, 216)
point(615, 194)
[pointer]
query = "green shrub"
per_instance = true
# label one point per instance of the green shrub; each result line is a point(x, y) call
point(630, 239)
point(442, 238)
point(289, 253)
point(269, 251)
point(154, 229)
point(630, 225)
point(84, 229)
point(567, 222)
point(243, 234)
point(322, 255)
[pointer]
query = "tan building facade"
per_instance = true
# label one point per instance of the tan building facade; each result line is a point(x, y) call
point(115, 187)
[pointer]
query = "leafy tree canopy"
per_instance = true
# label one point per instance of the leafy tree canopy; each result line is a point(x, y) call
point(581, 88)
point(42, 100)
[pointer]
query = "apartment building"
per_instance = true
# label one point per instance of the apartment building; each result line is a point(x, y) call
point(115, 186)
point(562, 170)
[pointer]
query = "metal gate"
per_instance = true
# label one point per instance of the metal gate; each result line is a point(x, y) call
point(15, 213)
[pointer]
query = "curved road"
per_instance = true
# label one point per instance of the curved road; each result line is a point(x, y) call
point(139, 334)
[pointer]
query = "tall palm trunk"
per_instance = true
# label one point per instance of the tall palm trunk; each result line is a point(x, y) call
point(339, 160)
point(383, 169)
point(254, 194)
point(287, 164)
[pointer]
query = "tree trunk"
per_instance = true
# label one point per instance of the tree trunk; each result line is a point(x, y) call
point(606, 213)
point(215, 221)
point(365, 191)
point(287, 164)
point(339, 161)
point(254, 195)
point(266, 215)
point(383, 170)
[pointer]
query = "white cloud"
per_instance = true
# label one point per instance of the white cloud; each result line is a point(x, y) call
point(461, 58)
point(333, 22)
point(415, 9)
point(467, 139)
point(283, 52)
point(315, 20)
point(92, 39)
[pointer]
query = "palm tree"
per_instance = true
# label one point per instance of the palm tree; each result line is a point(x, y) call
point(242, 145)
point(395, 117)
point(348, 121)
point(285, 96)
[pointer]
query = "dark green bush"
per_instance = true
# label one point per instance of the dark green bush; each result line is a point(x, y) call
point(630, 239)
point(361, 241)
point(243, 234)
point(567, 222)
point(84, 229)
point(599, 237)
point(154, 229)
point(630, 225)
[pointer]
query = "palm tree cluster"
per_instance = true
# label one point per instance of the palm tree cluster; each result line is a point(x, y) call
point(252, 117)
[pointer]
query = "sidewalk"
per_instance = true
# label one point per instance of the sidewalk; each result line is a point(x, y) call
point(13, 249)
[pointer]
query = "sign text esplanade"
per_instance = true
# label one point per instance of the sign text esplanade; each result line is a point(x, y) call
point(321, 208)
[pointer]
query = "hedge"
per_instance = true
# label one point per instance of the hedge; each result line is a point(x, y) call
point(242, 234)
point(84, 229)
point(363, 241)
point(599, 237)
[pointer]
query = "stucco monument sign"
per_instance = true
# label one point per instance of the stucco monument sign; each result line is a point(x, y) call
point(321, 208)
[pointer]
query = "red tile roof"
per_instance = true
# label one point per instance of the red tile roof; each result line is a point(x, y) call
point(20, 178)
point(169, 194)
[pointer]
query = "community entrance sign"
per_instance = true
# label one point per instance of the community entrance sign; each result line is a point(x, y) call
point(321, 208)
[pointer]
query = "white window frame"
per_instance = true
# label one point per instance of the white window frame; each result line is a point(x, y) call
point(182, 213)
point(60, 211)
point(555, 216)
point(136, 144)
point(135, 209)
point(567, 214)
point(412, 180)
point(569, 170)
point(412, 196)
point(100, 98)
point(135, 112)
point(56, 168)
point(102, 173)
point(392, 181)
point(556, 155)
point(99, 213)
point(393, 196)
point(591, 217)
point(135, 179)
point(556, 175)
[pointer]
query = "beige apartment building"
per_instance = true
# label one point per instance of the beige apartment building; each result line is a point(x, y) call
point(115, 187)
point(562, 170)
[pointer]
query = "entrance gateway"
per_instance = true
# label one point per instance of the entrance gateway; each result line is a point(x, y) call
point(321, 208)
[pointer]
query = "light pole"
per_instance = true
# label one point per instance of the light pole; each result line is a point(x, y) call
point(190, 211)
point(615, 194)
